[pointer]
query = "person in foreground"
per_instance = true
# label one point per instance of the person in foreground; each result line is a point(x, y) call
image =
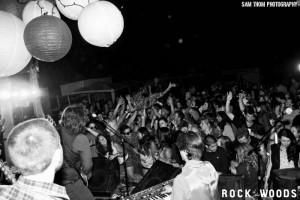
point(77, 163)
point(198, 179)
point(34, 148)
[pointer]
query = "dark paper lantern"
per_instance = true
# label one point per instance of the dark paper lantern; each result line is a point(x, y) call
point(13, 7)
point(47, 38)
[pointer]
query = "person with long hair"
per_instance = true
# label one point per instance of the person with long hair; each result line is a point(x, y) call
point(246, 165)
point(283, 155)
point(224, 124)
point(76, 153)
point(227, 144)
point(198, 179)
point(296, 131)
point(112, 150)
point(150, 151)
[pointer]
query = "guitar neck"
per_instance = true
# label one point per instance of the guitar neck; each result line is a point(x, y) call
point(9, 175)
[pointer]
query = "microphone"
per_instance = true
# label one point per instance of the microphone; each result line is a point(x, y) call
point(288, 111)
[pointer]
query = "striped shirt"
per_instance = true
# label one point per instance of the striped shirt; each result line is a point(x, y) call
point(25, 189)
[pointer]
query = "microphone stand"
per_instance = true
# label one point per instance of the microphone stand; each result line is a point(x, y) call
point(123, 141)
point(125, 167)
point(256, 150)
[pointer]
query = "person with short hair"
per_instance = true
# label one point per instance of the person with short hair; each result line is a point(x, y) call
point(198, 179)
point(243, 136)
point(215, 154)
point(34, 148)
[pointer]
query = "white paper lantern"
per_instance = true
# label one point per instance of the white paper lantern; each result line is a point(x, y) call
point(101, 23)
point(13, 53)
point(72, 8)
point(35, 9)
point(12, 6)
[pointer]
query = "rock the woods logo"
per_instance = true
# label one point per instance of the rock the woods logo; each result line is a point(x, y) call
point(263, 193)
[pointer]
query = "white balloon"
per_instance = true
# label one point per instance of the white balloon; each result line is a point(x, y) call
point(101, 23)
point(72, 8)
point(13, 53)
point(38, 8)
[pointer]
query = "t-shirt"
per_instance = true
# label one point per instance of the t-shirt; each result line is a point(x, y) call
point(218, 159)
point(228, 131)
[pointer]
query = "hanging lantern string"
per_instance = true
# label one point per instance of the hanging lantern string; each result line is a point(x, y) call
point(46, 13)
point(73, 4)
point(39, 5)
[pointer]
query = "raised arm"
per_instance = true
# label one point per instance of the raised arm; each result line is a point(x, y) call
point(120, 102)
point(144, 117)
point(132, 118)
point(128, 98)
point(268, 170)
point(171, 85)
point(170, 102)
point(153, 123)
point(241, 103)
point(227, 106)
point(121, 118)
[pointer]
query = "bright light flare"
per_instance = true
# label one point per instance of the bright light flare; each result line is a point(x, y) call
point(22, 94)
point(15, 94)
point(5, 95)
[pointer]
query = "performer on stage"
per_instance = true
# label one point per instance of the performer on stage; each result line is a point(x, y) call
point(77, 154)
point(198, 179)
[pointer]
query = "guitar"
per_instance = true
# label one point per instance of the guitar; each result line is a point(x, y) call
point(8, 172)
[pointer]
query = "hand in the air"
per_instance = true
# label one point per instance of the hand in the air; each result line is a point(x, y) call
point(172, 85)
point(229, 96)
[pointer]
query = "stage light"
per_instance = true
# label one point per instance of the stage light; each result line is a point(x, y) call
point(299, 67)
point(35, 92)
point(4, 95)
point(20, 94)
point(24, 93)
point(15, 94)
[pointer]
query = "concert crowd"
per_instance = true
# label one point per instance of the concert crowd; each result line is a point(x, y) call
point(246, 129)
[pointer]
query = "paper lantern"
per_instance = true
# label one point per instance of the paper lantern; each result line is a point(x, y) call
point(101, 23)
point(35, 9)
point(72, 8)
point(13, 53)
point(13, 7)
point(47, 38)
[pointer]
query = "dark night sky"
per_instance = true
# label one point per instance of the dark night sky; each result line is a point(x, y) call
point(215, 36)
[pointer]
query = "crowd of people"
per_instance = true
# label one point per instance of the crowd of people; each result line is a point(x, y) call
point(244, 129)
